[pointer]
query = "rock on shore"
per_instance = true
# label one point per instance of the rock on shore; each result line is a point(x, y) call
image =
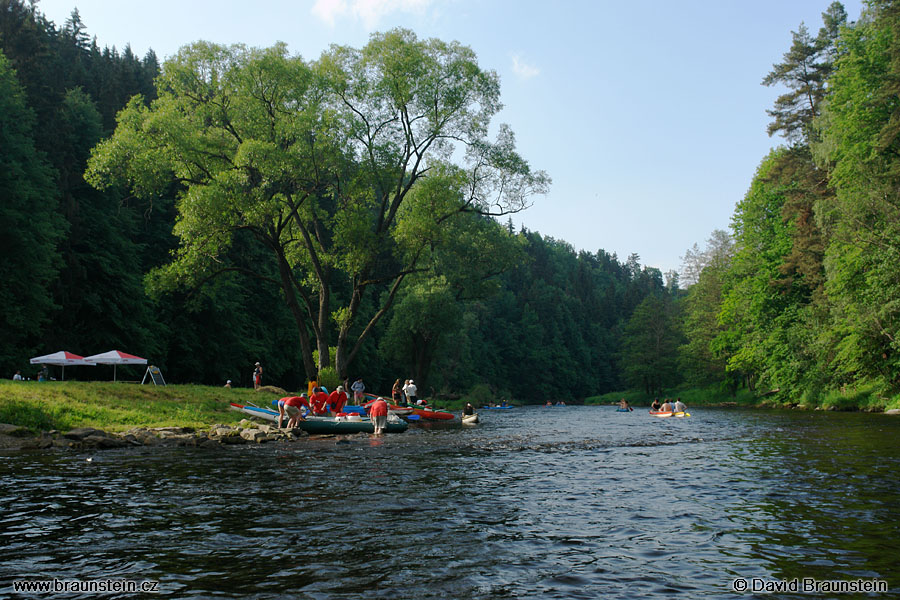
point(14, 437)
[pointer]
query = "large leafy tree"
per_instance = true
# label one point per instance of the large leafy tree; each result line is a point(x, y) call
point(345, 168)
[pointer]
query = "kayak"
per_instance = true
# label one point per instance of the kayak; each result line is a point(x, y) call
point(669, 414)
point(430, 414)
point(623, 410)
point(508, 407)
point(321, 425)
point(470, 419)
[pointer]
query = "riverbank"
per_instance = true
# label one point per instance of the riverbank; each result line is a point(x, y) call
point(864, 399)
point(76, 414)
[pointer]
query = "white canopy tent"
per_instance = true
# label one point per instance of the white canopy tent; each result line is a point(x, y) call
point(61, 358)
point(116, 357)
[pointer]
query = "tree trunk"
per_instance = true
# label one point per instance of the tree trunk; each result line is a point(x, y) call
point(290, 298)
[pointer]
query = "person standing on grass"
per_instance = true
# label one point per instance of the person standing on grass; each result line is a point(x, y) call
point(358, 388)
point(257, 376)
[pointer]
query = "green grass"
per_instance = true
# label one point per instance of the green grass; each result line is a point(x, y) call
point(111, 406)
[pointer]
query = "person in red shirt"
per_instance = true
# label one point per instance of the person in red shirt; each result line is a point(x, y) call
point(319, 402)
point(292, 406)
point(378, 413)
point(337, 399)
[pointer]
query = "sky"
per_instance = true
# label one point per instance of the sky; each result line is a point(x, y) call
point(648, 115)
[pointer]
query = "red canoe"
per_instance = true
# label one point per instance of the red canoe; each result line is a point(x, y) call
point(431, 414)
point(424, 412)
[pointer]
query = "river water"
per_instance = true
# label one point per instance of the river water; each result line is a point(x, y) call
point(574, 502)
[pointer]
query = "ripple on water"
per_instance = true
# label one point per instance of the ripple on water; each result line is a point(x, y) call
point(532, 503)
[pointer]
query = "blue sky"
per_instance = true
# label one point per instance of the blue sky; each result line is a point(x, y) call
point(649, 116)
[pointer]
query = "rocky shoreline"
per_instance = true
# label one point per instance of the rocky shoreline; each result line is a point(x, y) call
point(14, 437)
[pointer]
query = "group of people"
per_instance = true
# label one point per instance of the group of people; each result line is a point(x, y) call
point(42, 375)
point(668, 406)
point(406, 394)
point(319, 403)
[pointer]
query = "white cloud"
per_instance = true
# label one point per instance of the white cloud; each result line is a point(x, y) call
point(523, 69)
point(369, 12)
point(329, 10)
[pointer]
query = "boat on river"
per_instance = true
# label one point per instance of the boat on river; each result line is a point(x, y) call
point(400, 411)
point(669, 413)
point(323, 425)
point(470, 419)
point(507, 407)
point(416, 412)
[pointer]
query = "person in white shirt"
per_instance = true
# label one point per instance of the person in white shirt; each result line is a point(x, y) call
point(679, 405)
point(18, 376)
point(411, 392)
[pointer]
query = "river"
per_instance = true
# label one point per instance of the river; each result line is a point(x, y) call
point(563, 502)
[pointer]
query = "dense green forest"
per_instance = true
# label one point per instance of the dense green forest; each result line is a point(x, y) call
point(348, 216)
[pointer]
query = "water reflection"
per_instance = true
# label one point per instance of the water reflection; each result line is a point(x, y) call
point(533, 503)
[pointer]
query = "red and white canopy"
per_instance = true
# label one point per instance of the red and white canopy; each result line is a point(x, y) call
point(116, 357)
point(60, 358)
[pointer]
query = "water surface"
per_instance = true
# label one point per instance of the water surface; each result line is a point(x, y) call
point(574, 502)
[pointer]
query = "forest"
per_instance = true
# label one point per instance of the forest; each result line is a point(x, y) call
point(348, 216)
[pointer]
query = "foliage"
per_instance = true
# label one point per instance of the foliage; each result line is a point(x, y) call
point(340, 167)
point(649, 346)
point(329, 378)
point(30, 227)
point(805, 70)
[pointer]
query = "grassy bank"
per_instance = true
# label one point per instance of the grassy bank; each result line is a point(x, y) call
point(114, 407)
point(862, 398)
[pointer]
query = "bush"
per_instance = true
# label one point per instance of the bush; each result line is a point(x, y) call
point(480, 394)
point(328, 377)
